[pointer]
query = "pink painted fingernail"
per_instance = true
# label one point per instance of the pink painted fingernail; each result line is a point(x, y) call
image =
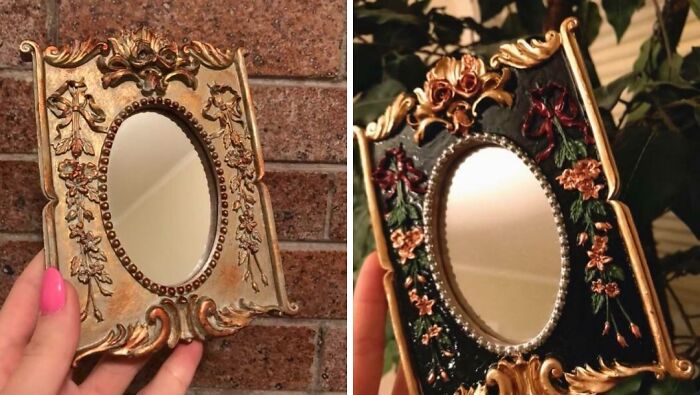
point(53, 292)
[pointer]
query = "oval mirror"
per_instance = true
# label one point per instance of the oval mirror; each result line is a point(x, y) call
point(159, 197)
point(501, 247)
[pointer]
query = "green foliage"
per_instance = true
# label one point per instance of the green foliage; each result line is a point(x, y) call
point(656, 140)
point(619, 13)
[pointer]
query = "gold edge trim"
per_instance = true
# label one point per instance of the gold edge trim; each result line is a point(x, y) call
point(668, 360)
point(385, 262)
point(578, 69)
point(251, 124)
point(678, 368)
point(44, 154)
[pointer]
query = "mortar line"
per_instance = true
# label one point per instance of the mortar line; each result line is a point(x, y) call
point(24, 157)
point(297, 322)
point(322, 245)
point(329, 209)
point(292, 82)
point(305, 167)
point(316, 363)
point(20, 236)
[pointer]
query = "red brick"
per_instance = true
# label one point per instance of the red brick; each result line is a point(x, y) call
point(14, 256)
point(285, 37)
point(333, 360)
point(317, 282)
point(21, 200)
point(17, 118)
point(299, 202)
point(20, 20)
point(339, 215)
point(302, 124)
point(260, 357)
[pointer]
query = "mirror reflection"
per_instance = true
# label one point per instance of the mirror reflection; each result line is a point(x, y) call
point(501, 247)
point(159, 197)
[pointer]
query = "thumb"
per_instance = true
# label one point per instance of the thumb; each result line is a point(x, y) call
point(47, 358)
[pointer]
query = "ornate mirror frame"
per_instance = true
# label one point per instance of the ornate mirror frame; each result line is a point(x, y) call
point(83, 93)
point(535, 100)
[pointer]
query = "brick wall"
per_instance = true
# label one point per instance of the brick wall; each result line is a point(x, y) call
point(297, 70)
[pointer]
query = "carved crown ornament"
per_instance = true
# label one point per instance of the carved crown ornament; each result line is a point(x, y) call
point(534, 99)
point(86, 91)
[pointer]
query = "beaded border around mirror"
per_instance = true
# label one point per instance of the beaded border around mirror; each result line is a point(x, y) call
point(96, 83)
point(517, 373)
point(470, 324)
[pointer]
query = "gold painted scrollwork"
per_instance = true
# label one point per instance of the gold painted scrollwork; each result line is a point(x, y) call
point(209, 55)
point(76, 53)
point(535, 377)
point(524, 54)
point(392, 118)
point(163, 325)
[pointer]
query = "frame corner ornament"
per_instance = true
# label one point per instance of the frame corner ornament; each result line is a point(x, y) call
point(525, 54)
point(393, 117)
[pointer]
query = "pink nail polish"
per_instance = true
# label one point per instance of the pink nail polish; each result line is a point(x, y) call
point(53, 292)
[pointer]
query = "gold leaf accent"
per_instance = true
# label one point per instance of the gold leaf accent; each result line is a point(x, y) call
point(209, 55)
point(524, 54)
point(453, 92)
point(169, 322)
point(586, 380)
point(392, 118)
point(76, 53)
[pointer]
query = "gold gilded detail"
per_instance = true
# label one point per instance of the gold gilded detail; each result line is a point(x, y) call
point(153, 61)
point(452, 93)
point(392, 119)
point(200, 316)
point(76, 53)
point(524, 54)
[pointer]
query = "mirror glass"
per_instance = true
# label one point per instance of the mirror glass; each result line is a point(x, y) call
point(159, 197)
point(501, 249)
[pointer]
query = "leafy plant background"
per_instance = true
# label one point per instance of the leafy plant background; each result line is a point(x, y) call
point(656, 138)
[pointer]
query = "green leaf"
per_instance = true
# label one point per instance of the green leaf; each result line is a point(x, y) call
point(367, 66)
point(597, 301)
point(589, 17)
point(695, 6)
point(619, 14)
point(374, 103)
point(652, 162)
point(690, 69)
point(616, 272)
point(670, 70)
point(385, 15)
point(491, 8)
point(598, 207)
point(447, 28)
point(590, 274)
point(608, 95)
point(629, 386)
point(577, 209)
point(531, 14)
point(671, 386)
point(408, 69)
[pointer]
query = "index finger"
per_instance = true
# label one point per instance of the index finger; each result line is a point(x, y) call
point(369, 318)
point(19, 314)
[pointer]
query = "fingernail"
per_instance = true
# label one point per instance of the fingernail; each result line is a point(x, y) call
point(53, 292)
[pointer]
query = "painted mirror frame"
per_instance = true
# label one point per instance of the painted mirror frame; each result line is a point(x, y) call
point(534, 99)
point(83, 93)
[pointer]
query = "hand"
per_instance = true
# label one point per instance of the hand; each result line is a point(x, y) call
point(39, 330)
point(369, 318)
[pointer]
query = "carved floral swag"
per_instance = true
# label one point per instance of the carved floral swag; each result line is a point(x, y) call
point(224, 106)
point(401, 185)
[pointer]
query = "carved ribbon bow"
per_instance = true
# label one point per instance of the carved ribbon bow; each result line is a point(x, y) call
point(405, 172)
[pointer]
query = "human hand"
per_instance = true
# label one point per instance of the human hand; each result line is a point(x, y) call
point(369, 319)
point(36, 350)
